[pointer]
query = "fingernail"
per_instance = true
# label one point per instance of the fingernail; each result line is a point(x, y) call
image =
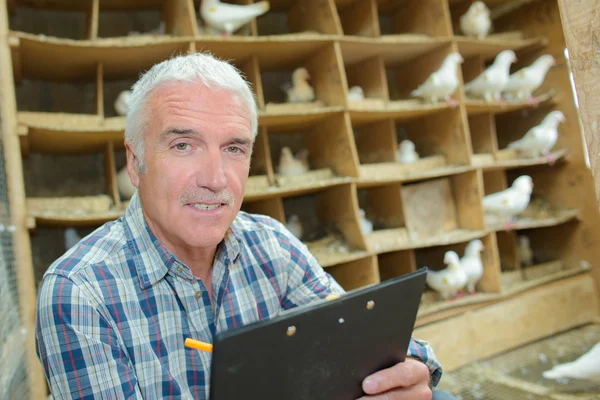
point(370, 385)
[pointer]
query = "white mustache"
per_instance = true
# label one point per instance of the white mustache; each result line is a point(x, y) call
point(207, 196)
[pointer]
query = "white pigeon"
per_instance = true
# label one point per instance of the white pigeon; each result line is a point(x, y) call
point(365, 225)
point(476, 22)
point(471, 263)
point(540, 139)
point(524, 82)
point(449, 281)
point(442, 83)
point(586, 367)
point(122, 102)
point(294, 225)
point(491, 82)
point(126, 188)
point(510, 202)
point(300, 91)
point(290, 165)
point(525, 252)
point(356, 93)
point(228, 18)
point(406, 153)
point(71, 238)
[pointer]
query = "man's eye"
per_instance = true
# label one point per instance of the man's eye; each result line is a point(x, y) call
point(233, 149)
point(181, 146)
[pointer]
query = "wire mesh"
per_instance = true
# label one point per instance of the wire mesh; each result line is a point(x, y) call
point(517, 374)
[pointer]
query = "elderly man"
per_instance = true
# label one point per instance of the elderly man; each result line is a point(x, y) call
point(184, 261)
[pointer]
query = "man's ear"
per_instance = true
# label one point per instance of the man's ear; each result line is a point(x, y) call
point(132, 165)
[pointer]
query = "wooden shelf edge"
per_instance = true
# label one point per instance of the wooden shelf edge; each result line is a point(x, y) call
point(476, 106)
point(558, 155)
point(523, 224)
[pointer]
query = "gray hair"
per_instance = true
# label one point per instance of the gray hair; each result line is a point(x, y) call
point(194, 67)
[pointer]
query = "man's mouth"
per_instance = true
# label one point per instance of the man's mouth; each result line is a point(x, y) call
point(206, 206)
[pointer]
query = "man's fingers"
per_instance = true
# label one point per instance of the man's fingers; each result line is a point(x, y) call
point(402, 375)
point(419, 392)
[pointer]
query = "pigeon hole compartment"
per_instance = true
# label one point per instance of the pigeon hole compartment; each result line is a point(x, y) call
point(418, 69)
point(439, 138)
point(443, 210)
point(359, 17)
point(383, 208)
point(324, 76)
point(71, 23)
point(483, 139)
point(261, 168)
point(356, 274)
point(271, 207)
point(72, 189)
point(418, 18)
point(370, 76)
point(329, 219)
point(396, 263)
point(330, 152)
point(489, 283)
point(173, 18)
point(514, 125)
point(54, 96)
point(112, 88)
point(304, 18)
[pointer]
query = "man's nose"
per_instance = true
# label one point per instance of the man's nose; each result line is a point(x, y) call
point(211, 171)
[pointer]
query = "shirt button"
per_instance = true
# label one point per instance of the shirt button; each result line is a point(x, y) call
point(180, 268)
point(198, 294)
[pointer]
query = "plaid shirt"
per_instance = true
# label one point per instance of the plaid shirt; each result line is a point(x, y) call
point(114, 310)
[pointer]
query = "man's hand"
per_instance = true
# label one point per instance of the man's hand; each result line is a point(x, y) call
point(408, 380)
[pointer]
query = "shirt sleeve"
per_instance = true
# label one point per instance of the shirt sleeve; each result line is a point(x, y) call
point(423, 351)
point(79, 350)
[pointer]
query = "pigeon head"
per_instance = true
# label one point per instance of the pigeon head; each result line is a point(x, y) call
point(523, 184)
point(286, 154)
point(546, 61)
point(454, 58)
point(356, 90)
point(451, 259)
point(407, 146)
point(361, 212)
point(479, 8)
point(300, 75)
point(506, 57)
point(555, 117)
point(474, 247)
point(293, 219)
point(524, 241)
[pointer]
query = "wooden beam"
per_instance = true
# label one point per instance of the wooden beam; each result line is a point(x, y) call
point(582, 32)
point(26, 287)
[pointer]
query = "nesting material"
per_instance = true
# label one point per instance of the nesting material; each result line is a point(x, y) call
point(388, 239)
point(309, 178)
point(396, 171)
point(429, 209)
point(293, 108)
point(509, 278)
point(69, 205)
point(542, 270)
point(332, 250)
point(539, 213)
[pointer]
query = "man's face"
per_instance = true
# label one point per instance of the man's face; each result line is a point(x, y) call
point(197, 152)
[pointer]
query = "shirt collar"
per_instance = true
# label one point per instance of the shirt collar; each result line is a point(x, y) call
point(153, 260)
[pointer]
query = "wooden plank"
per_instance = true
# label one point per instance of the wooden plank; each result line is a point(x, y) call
point(100, 91)
point(92, 20)
point(15, 50)
point(251, 70)
point(110, 173)
point(581, 27)
point(178, 18)
point(314, 16)
point(396, 263)
point(467, 191)
point(522, 319)
point(356, 274)
point(25, 279)
point(23, 132)
point(377, 142)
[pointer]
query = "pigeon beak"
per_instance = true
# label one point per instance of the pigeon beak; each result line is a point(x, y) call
point(563, 119)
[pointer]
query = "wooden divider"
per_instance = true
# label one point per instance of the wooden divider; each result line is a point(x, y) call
point(92, 20)
point(377, 142)
point(100, 91)
point(426, 17)
point(178, 16)
point(360, 18)
point(272, 207)
point(110, 174)
point(356, 274)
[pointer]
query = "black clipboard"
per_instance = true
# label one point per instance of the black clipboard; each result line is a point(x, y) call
point(334, 345)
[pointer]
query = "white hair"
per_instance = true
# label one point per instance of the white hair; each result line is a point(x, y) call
point(192, 68)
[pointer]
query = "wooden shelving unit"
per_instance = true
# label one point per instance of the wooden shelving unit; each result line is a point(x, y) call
point(419, 210)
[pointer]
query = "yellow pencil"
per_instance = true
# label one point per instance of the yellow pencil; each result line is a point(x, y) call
point(196, 344)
